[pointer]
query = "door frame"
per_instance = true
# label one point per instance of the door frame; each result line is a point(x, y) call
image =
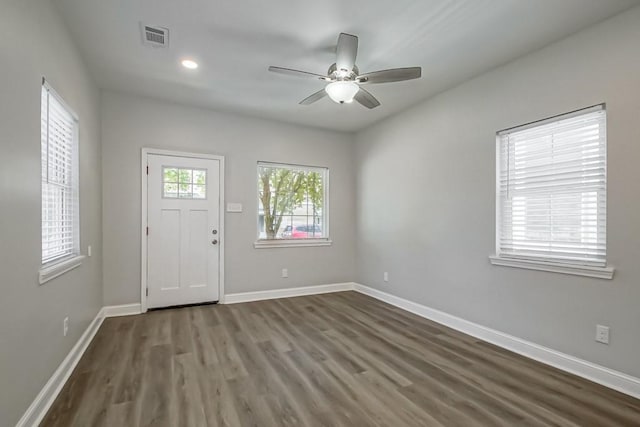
point(144, 216)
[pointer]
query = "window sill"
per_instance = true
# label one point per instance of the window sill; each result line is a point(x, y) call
point(554, 267)
point(290, 243)
point(49, 272)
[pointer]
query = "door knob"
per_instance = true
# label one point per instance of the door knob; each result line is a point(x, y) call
point(214, 241)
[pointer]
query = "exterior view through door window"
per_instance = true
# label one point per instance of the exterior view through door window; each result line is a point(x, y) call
point(181, 183)
point(292, 202)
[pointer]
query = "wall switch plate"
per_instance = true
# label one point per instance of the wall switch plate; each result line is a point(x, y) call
point(285, 273)
point(602, 334)
point(234, 207)
point(386, 276)
point(65, 326)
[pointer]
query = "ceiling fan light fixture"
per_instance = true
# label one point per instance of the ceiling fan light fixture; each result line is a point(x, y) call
point(189, 64)
point(342, 91)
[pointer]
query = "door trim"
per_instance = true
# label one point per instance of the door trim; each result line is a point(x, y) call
point(144, 217)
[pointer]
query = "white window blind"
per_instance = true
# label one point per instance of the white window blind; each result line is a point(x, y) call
point(551, 186)
point(60, 216)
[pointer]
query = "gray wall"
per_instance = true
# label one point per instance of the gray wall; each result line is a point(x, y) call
point(426, 198)
point(34, 43)
point(130, 123)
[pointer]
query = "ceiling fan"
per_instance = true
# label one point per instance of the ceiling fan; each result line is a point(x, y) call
point(344, 78)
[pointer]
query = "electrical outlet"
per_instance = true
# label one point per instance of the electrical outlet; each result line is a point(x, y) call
point(602, 334)
point(65, 326)
point(285, 273)
point(386, 276)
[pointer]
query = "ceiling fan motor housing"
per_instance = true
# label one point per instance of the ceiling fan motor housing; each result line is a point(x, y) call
point(335, 75)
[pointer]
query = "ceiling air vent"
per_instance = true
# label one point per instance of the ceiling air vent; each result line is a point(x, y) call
point(155, 36)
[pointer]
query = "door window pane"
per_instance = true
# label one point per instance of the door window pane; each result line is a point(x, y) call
point(182, 183)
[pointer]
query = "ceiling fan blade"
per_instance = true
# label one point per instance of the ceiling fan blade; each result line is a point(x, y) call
point(366, 99)
point(297, 73)
point(314, 97)
point(346, 52)
point(393, 75)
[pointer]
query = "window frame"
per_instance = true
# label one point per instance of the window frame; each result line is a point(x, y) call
point(262, 243)
point(59, 265)
point(178, 183)
point(540, 263)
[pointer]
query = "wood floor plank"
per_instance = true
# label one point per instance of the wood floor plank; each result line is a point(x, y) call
point(288, 326)
point(201, 340)
point(408, 413)
point(99, 393)
point(181, 333)
point(340, 359)
point(121, 414)
point(277, 337)
point(157, 400)
point(68, 401)
point(306, 400)
point(217, 400)
point(227, 355)
point(251, 408)
point(311, 329)
point(187, 393)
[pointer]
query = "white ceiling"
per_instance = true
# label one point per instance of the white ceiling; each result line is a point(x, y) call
point(235, 41)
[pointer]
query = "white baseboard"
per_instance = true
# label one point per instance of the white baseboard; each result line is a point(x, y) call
point(122, 310)
point(287, 293)
point(599, 374)
point(43, 401)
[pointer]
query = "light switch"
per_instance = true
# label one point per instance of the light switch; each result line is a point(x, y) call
point(234, 207)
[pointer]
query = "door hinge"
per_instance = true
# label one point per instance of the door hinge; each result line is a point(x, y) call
point(147, 231)
point(147, 291)
point(147, 170)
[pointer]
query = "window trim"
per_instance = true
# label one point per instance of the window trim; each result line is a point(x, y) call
point(601, 272)
point(64, 263)
point(293, 243)
point(554, 267)
point(59, 267)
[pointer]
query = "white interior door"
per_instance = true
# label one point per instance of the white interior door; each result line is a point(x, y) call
point(183, 241)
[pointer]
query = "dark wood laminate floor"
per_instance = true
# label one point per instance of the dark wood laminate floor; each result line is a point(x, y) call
point(340, 359)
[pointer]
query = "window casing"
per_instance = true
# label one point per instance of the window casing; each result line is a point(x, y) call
point(292, 204)
point(60, 198)
point(551, 191)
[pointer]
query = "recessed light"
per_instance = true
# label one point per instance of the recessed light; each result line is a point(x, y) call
point(188, 63)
